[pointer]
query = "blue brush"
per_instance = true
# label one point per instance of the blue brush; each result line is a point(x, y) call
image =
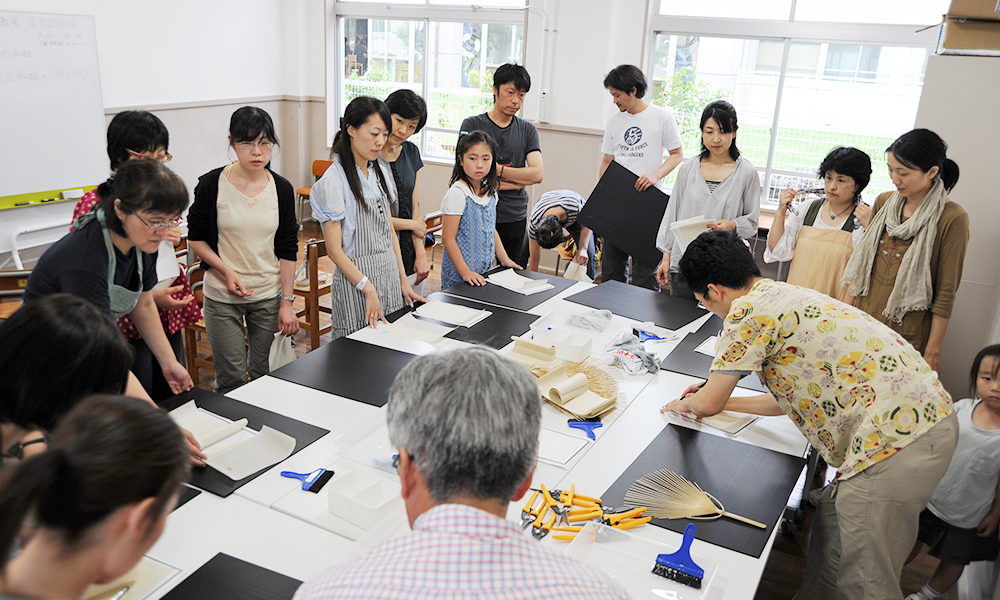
point(311, 482)
point(679, 566)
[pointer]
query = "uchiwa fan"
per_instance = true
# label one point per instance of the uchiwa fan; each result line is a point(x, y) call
point(667, 495)
point(599, 380)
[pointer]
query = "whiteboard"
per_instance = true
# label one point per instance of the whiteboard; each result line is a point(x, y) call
point(50, 99)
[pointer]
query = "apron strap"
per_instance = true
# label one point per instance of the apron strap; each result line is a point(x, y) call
point(813, 212)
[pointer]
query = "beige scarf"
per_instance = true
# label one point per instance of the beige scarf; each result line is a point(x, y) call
point(912, 290)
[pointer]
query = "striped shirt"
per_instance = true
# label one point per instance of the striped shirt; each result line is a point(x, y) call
point(571, 202)
point(456, 552)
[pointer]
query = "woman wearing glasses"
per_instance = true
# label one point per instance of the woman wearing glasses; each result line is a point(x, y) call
point(110, 258)
point(137, 134)
point(242, 224)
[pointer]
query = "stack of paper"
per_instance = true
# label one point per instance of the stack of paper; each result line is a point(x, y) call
point(510, 280)
point(232, 449)
point(689, 229)
point(414, 328)
point(572, 394)
point(452, 314)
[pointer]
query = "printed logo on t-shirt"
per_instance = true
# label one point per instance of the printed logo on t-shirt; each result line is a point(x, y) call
point(633, 135)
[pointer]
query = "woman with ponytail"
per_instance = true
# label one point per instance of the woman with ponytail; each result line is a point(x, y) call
point(97, 499)
point(906, 269)
point(352, 202)
point(110, 258)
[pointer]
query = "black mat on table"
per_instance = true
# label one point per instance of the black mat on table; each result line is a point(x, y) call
point(187, 494)
point(686, 361)
point(494, 331)
point(348, 368)
point(627, 218)
point(499, 296)
point(640, 304)
point(749, 481)
point(210, 480)
point(227, 578)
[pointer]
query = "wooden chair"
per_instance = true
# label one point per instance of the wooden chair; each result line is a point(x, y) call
point(12, 284)
point(196, 331)
point(434, 225)
point(319, 167)
point(309, 317)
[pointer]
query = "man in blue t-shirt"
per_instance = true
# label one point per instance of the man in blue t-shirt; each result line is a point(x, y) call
point(519, 156)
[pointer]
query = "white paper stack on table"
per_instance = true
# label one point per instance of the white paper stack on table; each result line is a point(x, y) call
point(572, 394)
point(232, 448)
point(688, 229)
point(414, 328)
point(452, 314)
point(510, 280)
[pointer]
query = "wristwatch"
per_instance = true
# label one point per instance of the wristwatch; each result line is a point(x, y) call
point(289, 298)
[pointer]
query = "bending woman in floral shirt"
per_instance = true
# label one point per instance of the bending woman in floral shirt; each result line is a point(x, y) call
point(862, 396)
point(137, 134)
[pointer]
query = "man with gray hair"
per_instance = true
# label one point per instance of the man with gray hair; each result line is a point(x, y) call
point(466, 425)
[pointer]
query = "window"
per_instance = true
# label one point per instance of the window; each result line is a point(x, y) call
point(800, 89)
point(450, 64)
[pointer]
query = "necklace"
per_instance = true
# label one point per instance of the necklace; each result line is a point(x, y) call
point(833, 217)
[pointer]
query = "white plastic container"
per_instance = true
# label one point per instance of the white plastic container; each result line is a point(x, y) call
point(569, 345)
point(362, 497)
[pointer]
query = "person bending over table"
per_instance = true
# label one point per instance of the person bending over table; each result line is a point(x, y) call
point(457, 482)
point(97, 500)
point(862, 396)
point(351, 200)
point(553, 220)
point(110, 258)
point(138, 135)
point(409, 114)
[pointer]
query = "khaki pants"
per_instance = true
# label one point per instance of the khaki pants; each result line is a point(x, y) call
point(232, 341)
point(865, 527)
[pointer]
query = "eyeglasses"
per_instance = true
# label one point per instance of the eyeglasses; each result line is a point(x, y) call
point(263, 145)
point(160, 159)
point(395, 460)
point(159, 225)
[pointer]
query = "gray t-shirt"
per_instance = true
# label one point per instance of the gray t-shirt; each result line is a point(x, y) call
point(965, 494)
point(514, 143)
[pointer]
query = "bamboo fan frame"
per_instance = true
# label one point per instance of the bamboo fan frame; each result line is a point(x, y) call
point(670, 496)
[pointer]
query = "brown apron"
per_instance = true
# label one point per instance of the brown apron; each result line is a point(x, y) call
point(821, 256)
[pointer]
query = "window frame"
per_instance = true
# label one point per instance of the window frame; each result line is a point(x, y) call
point(425, 13)
point(787, 32)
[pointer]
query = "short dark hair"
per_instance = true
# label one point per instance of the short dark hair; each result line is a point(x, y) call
point(625, 78)
point(850, 162)
point(135, 130)
point(409, 105)
point(248, 122)
point(491, 182)
point(512, 73)
point(719, 257)
point(988, 351)
point(109, 452)
point(724, 115)
point(55, 351)
point(142, 185)
point(550, 232)
point(923, 149)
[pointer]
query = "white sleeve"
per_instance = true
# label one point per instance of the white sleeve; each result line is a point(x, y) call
point(856, 235)
point(453, 202)
point(327, 197)
point(608, 142)
point(670, 137)
point(747, 222)
point(785, 247)
point(665, 237)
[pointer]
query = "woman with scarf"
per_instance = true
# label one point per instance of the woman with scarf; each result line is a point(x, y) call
point(906, 269)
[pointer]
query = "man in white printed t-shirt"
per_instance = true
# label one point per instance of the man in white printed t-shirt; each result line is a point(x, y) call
point(636, 138)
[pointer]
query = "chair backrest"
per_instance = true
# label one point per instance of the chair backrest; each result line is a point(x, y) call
point(196, 276)
point(320, 166)
point(315, 249)
point(12, 283)
point(433, 221)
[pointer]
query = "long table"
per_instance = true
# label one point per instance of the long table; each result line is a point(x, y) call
point(269, 522)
